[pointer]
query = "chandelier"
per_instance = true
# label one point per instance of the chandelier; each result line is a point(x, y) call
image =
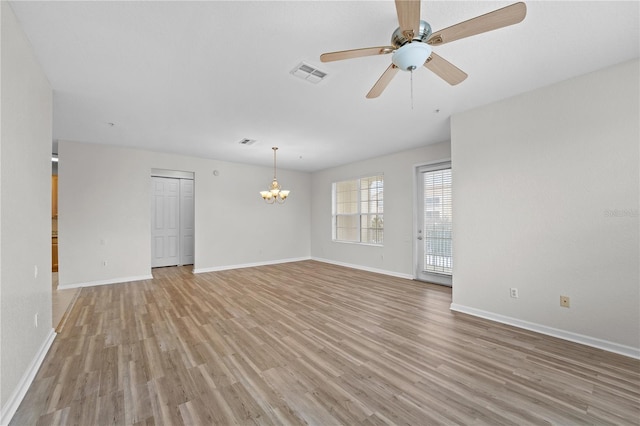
point(274, 193)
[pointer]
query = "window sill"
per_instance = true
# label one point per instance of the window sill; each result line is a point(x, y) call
point(357, 243)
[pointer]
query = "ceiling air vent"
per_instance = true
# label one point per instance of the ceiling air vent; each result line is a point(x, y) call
point(247, 142)
point(309, 73)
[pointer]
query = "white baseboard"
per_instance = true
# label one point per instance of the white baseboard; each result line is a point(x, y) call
point(248, 265)
point(365, 268)
point(105, 282)
point(20, 391)
point(550, 331)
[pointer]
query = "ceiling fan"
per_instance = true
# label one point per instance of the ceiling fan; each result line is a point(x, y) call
point(411, 43)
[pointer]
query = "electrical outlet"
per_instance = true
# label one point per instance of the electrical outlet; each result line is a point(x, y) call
point(513, 292)
point(564, 301)
point(104, 263)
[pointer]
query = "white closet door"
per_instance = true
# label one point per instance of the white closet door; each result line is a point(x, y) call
point(186, 222)
point(165, 218)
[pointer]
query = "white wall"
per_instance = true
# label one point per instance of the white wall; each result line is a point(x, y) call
point(104, 196)
point(396, 256)
point(25, 213)
point(536, 181)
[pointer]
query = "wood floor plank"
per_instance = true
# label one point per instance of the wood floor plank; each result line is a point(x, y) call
point(312, 343)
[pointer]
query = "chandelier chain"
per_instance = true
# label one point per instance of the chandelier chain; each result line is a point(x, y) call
point(275, 148)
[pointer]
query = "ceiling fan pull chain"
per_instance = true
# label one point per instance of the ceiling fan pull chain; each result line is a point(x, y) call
point(411, 88)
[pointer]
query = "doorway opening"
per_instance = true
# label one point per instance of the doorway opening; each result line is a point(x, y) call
point(172, 218)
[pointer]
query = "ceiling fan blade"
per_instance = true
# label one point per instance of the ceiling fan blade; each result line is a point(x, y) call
point(382, 82)
point(408, 17)
point(445, 69)
point(356, 53)
point(500, 18)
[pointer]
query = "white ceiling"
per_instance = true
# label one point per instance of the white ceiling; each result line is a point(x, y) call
point(197, 77)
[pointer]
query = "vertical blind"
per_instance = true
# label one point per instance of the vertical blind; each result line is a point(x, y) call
point(437, 221)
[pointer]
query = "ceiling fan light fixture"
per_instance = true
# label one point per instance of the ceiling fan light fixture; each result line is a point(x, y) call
point(411, 56)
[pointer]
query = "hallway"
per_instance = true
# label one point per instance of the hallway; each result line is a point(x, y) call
point(62, 301)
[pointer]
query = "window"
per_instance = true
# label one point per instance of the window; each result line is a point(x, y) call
point(357, 210)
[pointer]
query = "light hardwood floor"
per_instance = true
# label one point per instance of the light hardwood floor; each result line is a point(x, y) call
point(312, 343)
point(62, 300)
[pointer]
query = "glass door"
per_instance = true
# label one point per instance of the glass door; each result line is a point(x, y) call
point(434, 260)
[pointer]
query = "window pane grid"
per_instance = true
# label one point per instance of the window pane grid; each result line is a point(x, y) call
point(438, 222)
point(360, 200)
point(371, 229)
